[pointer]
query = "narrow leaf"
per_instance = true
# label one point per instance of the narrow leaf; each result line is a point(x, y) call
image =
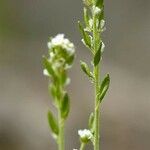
point(86, 36)
point(53, 123)
point(52, 90)
point(86, 69)
point(86, 17)
point(91, 121)
point(65, 106)
point(63, 77)
point(99, 3)
point(48, 66)
point(104, 87)
point(97, 56)
point(70, 59)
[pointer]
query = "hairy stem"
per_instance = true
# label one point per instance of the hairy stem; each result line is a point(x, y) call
point(96, 74)
point(61, 132)
point(61, 122)
point(97, 111)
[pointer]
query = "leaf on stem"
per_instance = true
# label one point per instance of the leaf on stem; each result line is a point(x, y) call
point(70, 59)
point(86, 70)
point(91, 121)
point(104, 87)
point(52, 90)
point(85, 35)
point(99, 3)
point(63, 77)
point(48, 67)
point(53, 124)
point(97, 56)
point(86, 17)
point(65, 106)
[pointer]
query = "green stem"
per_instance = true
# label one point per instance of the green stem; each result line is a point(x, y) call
point(96, 40)
point(61, 132)
point(97, 111)
point(82, 146)
point(61, 141)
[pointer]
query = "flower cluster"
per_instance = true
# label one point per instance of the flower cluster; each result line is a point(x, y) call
point(61, 53)
point(60, 41)
point(85, 135)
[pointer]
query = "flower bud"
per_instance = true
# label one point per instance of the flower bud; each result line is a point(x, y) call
point(85, 135)
point(96, 10)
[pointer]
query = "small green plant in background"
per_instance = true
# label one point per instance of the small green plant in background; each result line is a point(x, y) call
point(94, 25)
point(59, 60)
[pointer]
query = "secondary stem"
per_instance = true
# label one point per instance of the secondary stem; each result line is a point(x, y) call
point(61, 132)
point(82, 146)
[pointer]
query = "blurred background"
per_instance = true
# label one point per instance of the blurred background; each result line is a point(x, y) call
point(25, 26)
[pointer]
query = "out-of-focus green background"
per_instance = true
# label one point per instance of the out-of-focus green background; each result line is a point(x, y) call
point(25, 26)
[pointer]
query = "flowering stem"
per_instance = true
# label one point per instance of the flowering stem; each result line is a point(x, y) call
point(97, 111)
point(82, 146)
point(61, 138)
point(91, 33)
point(96, 74)
point(60, 59)
point(61, 132)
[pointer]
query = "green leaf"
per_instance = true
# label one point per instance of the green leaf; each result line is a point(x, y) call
point(52, 90)
point(99, 3)
point(104, 87)
point(65, 106)
point(53, 124)
point(63, 77)
point(91, 121)
point(54, 93)
point(48, 66)
point(97, 56)
point(86, 69)
point(86, 17)
point(70, 59)
point(85, 35)
point(101, 17)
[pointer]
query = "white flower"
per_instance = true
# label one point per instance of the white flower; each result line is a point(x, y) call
point(45, 72)
point(85, 135)
point(59, 40)
point(51, 54)
point(96, 10)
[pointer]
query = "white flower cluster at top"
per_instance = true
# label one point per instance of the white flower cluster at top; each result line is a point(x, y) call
point(59, 40)
point(61, 53)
